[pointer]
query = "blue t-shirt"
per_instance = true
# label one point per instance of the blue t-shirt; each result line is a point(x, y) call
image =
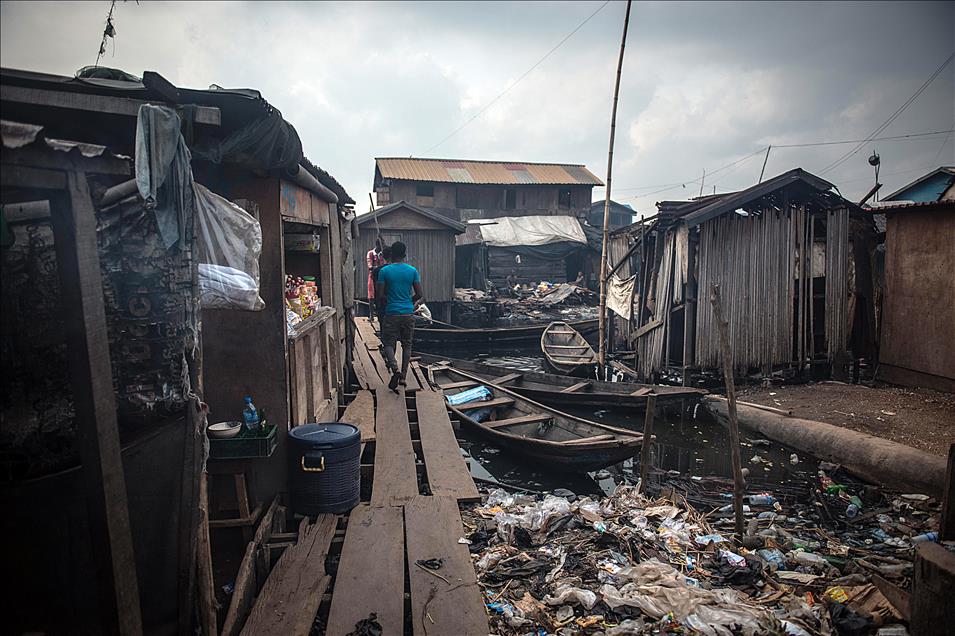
point(398, 279)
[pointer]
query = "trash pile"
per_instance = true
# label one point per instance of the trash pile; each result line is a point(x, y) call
point(629, 564)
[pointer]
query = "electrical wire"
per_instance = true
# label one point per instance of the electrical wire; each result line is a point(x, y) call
point(846, 156)
point(518, 80)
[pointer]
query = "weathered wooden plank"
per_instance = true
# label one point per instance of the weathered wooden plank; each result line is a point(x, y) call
point(207, 593)
point(81, 289)
point(371, 572)
point(447, 472)
point(470, 406)
point(95, 103)
point(464, 384)
point(396, 478)
point(510, 377)
point(298, 380)
point(450, 603)
point(361, 413)
point(247, 580)
point(292, 593)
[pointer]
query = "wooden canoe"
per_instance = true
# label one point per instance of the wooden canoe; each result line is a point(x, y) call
point(506, 336)
point(551, 388)
point(533, 431)
point(567, 352)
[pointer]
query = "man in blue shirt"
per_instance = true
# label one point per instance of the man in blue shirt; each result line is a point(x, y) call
point(398, 293)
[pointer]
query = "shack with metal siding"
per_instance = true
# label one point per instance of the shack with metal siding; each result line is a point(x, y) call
point(790, 258)
point(430, 241)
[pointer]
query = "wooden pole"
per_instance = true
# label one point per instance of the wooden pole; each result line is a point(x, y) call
point(946, 529)
point(738, 485)
point(647, 436)
point(602, 347)
point(207, 597)
point(81, 292)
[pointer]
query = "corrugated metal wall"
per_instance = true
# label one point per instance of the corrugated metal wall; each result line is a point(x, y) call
point(430, 251)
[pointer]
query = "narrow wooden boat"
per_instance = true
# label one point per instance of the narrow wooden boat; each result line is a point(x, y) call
point(551, 388)
point(506, 336)
point(533, 431)
point(567, 352)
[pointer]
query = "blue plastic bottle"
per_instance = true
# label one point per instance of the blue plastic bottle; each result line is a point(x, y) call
point(251, 415)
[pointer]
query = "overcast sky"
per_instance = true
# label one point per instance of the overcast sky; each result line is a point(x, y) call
point(704, 84)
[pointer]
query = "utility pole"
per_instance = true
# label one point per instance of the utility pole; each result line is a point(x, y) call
point(602, 347)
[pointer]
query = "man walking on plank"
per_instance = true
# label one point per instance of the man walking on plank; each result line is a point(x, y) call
point(398, 293)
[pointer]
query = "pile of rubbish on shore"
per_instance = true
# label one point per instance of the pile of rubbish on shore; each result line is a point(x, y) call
point(630, 564)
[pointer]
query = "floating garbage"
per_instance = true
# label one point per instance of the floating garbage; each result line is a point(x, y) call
point(630, 563)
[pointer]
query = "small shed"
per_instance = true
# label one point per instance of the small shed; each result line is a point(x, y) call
point(918, 308)
point(430, 240)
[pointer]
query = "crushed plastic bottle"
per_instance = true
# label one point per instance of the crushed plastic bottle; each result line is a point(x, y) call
point(761, 500)
point(927, 537)
point(852, 511)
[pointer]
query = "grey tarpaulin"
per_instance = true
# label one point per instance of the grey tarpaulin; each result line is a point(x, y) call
point(163, 170)
point(620, 295)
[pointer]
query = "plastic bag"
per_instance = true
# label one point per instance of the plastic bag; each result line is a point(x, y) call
point(423, 311)
point(230, 241)
point(565, 594)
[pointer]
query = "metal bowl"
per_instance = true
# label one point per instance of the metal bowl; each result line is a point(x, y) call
point(224, 430)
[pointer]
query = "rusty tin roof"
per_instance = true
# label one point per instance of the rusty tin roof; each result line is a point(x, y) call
point(484, 172)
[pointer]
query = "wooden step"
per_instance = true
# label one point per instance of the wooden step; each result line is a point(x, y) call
point(524, 419)
point(470, 406)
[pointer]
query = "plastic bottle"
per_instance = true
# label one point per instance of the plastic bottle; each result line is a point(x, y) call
point(251, 415)
point(852, 511)
point(761, 500)
point(808, 559)
point(927, 537)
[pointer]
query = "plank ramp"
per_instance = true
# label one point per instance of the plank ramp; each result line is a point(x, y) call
point(292, 593)
point(396, 478)
point(371, 572)
point(447, 473)
point(361, 413)
point(451, 603)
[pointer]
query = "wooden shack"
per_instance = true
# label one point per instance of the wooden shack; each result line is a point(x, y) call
point(110, 541)
point(430, 240)
point(918, 307)
point(789, 256)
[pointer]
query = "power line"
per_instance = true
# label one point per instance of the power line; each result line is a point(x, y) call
point(852, 141)
point(807, 145)
point(518, 80)
point(845, 157)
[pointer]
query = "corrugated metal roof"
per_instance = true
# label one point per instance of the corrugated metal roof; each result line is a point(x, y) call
point(484, 172)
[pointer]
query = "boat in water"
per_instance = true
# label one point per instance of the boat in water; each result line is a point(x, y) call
point(531, 430)
point(567, 352)
point(504, 336)
point(551, 388)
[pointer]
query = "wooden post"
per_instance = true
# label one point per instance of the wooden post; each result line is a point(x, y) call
point(647, 436)
point(602, 347)
point(207, 595)
point(81, 293)
point(933, 588)
point(731, 408)
point(946, 529)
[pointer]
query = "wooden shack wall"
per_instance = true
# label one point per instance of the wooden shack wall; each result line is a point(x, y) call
point(918, 315)
point(431, 251)
point(531, 199)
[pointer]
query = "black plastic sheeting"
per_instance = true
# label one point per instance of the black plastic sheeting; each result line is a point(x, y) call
point(269, 143)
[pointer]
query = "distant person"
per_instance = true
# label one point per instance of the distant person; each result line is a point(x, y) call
point(398, 293)
point(581, 280)
point(375, 261)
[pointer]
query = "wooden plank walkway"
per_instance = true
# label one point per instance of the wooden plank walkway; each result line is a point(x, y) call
point(447, 600)
point(396, 478)
point(385, 538)
point(447, 473)
point(374, 550)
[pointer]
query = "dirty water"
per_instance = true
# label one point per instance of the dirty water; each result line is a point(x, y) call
point(686, 442)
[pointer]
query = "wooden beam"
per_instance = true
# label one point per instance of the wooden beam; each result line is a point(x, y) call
point(208, 607)
point(81, 293)
point(645, 329)
point(125, 106)
point(645, 447)
point(37, 156)
point(523, 419)
point(933, 588)
point(577, 387)
point(15, 176)
point(946, 529)
point(510, 377)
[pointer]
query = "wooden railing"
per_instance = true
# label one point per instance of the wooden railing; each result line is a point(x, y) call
point(315, 368)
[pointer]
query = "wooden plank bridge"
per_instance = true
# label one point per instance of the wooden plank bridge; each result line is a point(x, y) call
point(409, 516)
